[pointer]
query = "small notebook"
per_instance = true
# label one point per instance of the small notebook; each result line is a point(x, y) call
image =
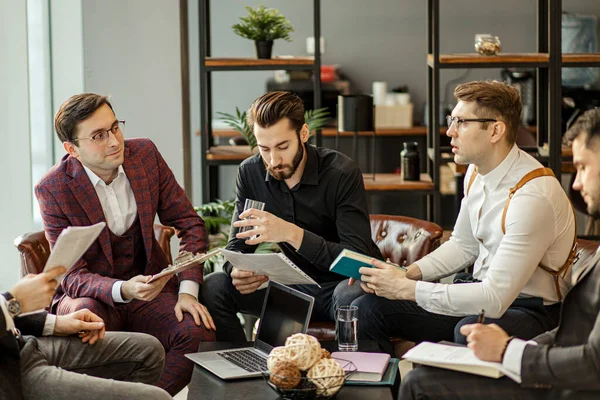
point(387, 380)
point(276, 266)
point(456, 358)
point(370, 367)
point(348, 263)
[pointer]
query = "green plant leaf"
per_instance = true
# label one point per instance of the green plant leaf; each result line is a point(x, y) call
point(316, 119)
point(263, 23)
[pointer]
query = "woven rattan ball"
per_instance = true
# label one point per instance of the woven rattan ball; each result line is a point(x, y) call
point(327, 376)
point(285, 375)
point(325, 354)
point(304, 350)
point(279, 353)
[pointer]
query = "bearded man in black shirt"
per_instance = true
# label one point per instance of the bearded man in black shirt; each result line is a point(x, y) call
point(315, 206)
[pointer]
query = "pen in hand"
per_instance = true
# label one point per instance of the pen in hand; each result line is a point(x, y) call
point(481, 317)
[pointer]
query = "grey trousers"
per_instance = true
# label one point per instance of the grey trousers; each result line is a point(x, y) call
point(122, 366)
point(424, 383)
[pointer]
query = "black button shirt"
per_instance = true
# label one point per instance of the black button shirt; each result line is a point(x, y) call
point(329, 203)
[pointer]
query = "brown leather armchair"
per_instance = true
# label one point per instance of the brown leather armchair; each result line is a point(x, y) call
point(403, 240)
point(35, 250)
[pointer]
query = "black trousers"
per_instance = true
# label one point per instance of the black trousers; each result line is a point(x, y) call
point(380, 318)
point(223, 301)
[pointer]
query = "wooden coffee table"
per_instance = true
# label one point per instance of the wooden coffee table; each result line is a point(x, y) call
point(205, 385)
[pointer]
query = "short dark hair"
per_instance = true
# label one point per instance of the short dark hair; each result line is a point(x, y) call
point(496, 100)
point(588, 123)
point(272, 107)
point(76, 109)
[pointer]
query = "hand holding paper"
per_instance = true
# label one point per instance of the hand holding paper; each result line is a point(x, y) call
point(35, 291)
point(71, 244)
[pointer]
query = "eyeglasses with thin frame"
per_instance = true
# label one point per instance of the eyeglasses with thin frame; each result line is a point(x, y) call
point(450, 120)
point(102, 136)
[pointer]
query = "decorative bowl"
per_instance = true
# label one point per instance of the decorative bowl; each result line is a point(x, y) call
point(313, 388)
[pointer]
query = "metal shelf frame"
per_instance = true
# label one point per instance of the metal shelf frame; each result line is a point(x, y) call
point(210, 168)
point(548, 86)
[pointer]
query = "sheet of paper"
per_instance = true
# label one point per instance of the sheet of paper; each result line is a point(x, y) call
point(71, 244)
point(272, 265)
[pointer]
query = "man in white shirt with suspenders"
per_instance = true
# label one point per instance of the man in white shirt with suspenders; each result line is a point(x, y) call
point(516, 227)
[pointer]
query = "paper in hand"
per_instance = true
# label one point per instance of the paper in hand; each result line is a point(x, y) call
point(71, 244)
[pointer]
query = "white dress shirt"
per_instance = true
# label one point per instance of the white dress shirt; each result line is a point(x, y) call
point(120, 211)
point(540, 228)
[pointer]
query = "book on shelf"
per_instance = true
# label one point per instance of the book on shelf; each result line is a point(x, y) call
point(348, 263)
point(457, 358)
point(370, 367)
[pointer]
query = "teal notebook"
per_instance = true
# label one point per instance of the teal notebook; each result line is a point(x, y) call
point(348, 263)
point(388, 377)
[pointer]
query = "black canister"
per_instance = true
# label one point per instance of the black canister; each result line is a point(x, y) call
point(409, 160)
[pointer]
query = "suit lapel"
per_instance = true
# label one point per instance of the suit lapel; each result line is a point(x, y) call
point(585, 269)
point(86, 196)
point(136, 174)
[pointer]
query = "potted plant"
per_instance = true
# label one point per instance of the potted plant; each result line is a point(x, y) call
point(315, 119)
point(263, 25)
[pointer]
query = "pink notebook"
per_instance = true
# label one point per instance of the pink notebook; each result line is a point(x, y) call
point(370, 367)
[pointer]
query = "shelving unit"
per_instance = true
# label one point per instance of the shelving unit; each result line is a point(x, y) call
point(548, 61)
point(211, 156)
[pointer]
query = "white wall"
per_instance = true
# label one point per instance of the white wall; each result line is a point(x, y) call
point(131, 52)
point(15, 163)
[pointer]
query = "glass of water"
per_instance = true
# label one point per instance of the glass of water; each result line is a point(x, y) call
point(346, 328)
point(257, 205)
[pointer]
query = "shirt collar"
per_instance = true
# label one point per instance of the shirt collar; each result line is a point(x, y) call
point(492, 179)
point(310, 176)
point(95, 179)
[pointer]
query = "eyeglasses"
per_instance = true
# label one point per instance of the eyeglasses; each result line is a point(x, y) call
point(102, 136)
point(450, 120)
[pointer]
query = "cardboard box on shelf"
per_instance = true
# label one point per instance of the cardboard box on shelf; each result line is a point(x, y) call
point(396, 116)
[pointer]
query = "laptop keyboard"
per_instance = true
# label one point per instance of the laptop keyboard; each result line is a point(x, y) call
point(246, 359)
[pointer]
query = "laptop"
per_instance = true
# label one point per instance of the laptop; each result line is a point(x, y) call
point(285, 311)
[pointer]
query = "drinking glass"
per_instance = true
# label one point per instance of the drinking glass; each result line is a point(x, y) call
point(257, 205)
point(346, 328)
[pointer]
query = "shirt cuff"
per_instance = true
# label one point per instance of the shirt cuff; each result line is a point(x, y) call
point(514, 354)
point(116, 293)
point(10, 324)
point(423, 292)
point(189, 287)
point(49, 325)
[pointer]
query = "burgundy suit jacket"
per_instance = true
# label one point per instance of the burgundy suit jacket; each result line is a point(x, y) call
point(67, 198)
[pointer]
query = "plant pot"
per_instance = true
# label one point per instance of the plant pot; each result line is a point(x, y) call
point(264, 48)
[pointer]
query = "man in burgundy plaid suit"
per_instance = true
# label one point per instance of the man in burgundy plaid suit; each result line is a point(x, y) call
point(124, 183)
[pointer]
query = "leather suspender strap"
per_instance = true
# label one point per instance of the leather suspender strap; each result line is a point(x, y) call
point(536, 173)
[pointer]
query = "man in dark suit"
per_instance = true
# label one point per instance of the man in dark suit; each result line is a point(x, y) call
point(562, 363)
point(52, 367)
point(125, 183)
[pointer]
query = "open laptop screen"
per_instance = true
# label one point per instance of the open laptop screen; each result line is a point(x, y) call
point(285, 311)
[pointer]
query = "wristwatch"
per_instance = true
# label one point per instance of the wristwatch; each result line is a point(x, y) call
point(13, 305)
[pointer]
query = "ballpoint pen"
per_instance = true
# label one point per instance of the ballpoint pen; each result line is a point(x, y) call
point(481, 317)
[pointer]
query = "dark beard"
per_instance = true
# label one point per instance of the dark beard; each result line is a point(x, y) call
point(288, 169)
